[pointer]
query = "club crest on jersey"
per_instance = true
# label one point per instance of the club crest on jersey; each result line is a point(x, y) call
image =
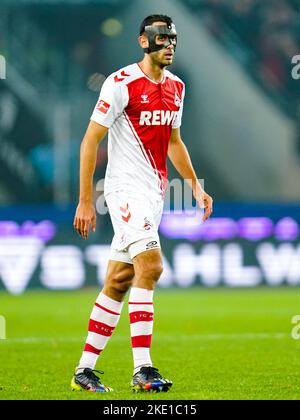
point(177, 100)
point(159, 117)
point(103, 106)
point(145, 99)
point(148, 224)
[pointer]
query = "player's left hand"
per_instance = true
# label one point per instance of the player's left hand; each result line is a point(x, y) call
point(85, 217)
point(205, 202)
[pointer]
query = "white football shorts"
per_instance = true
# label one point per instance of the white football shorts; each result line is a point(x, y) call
point(135, 220)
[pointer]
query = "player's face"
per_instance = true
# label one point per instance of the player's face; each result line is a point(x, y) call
point(165, 56)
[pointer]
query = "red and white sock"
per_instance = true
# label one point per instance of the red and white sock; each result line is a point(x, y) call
point(103, 321)
point(141, 326)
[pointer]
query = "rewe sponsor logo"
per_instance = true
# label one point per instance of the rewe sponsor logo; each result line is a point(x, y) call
point(158, 117)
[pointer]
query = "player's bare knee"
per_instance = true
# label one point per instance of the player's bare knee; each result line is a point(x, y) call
point(119, 284)
point(152, 271)
point(157, 270)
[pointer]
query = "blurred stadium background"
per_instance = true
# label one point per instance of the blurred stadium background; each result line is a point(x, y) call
point(241, 124)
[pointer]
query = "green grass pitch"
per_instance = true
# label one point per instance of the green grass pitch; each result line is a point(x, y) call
point(213, 344)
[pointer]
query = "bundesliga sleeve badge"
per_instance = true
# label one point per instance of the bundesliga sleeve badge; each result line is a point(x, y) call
point(103, 106)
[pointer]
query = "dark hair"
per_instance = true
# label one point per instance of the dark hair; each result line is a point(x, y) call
point(149, 20)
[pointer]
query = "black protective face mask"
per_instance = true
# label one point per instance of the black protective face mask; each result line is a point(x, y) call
point(153, 31)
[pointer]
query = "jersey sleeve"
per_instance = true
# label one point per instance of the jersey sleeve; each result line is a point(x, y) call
point(112, 102)
point(177, 121)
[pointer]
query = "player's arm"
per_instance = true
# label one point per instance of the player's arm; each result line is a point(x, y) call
point(85, 215)
point(181, 160)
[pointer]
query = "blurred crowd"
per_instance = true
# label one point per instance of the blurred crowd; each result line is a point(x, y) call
point(58, 66)
point(265, 37)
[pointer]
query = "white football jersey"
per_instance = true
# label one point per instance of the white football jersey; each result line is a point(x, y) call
point(140, 115)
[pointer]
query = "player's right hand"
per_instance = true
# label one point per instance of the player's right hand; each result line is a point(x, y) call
point(85, 217)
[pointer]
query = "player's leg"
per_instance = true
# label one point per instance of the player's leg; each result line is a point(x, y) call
point(135, 219)
point(148, 268)
point(103, 320)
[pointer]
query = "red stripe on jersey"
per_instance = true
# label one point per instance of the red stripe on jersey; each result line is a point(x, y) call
point(141, 341)
point(135, 136)
point(141, 147)
point(140, 316)
point(160, 180)
point(154, 137)
point(106, 310)
point(92, 349)
point(100, 328)
point(140, 303)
